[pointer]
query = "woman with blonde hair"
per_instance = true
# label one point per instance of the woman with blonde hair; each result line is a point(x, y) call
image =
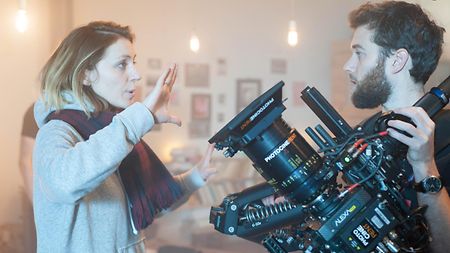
point(96, 183)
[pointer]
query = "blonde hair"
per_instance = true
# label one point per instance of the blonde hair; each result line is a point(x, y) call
point(80, 51)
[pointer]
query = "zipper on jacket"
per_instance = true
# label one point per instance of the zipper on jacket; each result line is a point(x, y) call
point(135, 231)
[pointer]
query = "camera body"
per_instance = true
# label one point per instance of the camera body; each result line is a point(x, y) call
point(345, 197)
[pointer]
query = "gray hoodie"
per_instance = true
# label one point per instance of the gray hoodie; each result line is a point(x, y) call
point(79, 202)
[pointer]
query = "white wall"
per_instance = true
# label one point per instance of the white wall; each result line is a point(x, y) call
point(246, 33)
point(22, 55)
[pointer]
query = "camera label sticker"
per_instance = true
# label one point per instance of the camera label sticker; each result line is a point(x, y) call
point(365, 233)
point(377, 222)
point(382, 216)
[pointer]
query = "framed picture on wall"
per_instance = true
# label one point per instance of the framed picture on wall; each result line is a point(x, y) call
point(200, 125)
point(221, 66)
point(278, 66)
point(221, 98)
point(247, 90)
point(201, 107)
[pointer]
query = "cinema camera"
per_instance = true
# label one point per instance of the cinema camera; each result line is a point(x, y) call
point(347, 199)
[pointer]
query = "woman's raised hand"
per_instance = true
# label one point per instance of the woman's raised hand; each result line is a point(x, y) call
point(158, 99)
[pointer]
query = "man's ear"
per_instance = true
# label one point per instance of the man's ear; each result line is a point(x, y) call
point(399, 60)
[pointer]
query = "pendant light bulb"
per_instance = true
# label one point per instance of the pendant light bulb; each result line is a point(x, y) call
point(292, 35)
point(21, 20)
point(194, 43)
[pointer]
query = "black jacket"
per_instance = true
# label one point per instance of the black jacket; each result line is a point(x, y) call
point(441, 145)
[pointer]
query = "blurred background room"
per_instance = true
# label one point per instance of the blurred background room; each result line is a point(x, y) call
point(228, 52)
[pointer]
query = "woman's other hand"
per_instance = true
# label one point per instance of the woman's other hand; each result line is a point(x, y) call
point(203, 167)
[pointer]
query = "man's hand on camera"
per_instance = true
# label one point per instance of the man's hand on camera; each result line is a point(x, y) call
point(421, 143)
point(271, 200)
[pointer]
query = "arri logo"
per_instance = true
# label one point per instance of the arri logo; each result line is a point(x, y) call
point(344, 215)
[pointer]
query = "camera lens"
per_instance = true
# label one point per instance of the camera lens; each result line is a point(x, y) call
point(284, 158)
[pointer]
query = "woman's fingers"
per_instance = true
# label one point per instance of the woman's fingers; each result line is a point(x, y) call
point(209, 151)
point(174, 77)
point(162, 79)
point(174, 120)
point(169, 79)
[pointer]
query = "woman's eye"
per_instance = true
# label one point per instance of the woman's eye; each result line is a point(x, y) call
point(122, 65)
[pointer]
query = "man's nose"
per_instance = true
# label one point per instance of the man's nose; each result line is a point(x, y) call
point(349, 66)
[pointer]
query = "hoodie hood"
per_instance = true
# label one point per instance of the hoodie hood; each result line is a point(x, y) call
point(41, 111)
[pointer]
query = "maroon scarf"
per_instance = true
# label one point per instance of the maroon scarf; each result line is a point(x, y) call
point(149, 187)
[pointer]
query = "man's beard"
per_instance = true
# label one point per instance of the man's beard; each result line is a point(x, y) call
point(373, 90)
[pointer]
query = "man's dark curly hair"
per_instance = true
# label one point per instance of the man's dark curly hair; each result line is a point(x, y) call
point(398, 24)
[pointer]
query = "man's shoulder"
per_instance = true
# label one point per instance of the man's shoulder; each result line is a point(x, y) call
point(442, 144)
point(369, 123)
point(442, 119)
point(442, 129)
